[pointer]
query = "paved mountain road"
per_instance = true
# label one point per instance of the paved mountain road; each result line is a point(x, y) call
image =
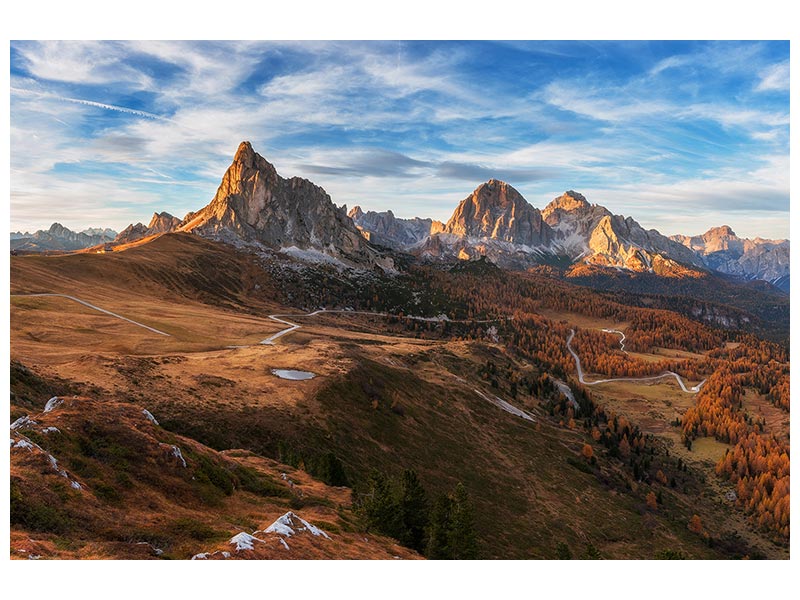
point(692, 390)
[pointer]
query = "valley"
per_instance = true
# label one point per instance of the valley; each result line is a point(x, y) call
point(389, 392)
point(419, 402)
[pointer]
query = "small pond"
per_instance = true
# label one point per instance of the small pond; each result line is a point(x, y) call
point(293, 375)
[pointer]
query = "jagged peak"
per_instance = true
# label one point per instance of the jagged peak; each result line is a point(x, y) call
point(248, 158)
point(355, 212)
point(719, 232)
point(575, 195)
point(568, 201)
point(163, 219)
point(244, 152)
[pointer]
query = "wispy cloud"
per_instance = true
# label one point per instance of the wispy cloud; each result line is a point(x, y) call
point(92, 103)
point(774, 78)
point(124, 128)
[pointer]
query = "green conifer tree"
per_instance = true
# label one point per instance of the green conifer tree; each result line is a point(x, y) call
point(379, 507)
point(463, 542)
point(414, 514)
point(439, 530)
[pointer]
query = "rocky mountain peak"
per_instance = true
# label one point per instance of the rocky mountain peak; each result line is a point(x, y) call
point(58, 230)
point(163, 222)
point(254, 204)
point(355, 213)
point(569, 201)
point(495, 210)
point(721, 232)
point(244, 153)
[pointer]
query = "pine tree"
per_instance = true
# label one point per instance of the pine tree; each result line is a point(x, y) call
point(379, 506)
point(331, 470)
point(591, 553)
point(439, 530)
point(413, 511)
point(463, 543)
point(563, 552)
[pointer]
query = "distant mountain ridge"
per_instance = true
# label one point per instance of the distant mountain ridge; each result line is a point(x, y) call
point(254, 205)
point(60, 238)
point(495, 221)
point(722, 250)
point(386, 229)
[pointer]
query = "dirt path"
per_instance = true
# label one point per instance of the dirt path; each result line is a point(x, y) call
point(93, 307)
point(622, 339)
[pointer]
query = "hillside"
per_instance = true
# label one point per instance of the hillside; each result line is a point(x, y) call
point(473, 398)
point(102, 479)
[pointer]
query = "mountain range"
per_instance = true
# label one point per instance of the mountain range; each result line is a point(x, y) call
point(255, 206)
point(497, 222)
point(274, 377)
point(60, 238)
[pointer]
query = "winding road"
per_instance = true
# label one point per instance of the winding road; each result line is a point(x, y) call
point(622, 339)
point(93, 307)
point(692, 390)
point(294, 326)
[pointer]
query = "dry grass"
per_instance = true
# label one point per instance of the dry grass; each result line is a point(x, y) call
point(379, 400)
point(759, 407)
point(136, 496)
point(583, 321)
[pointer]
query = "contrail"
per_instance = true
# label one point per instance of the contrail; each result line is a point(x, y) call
point(123, 109)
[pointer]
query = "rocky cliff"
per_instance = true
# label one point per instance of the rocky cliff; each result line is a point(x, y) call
point(254, 204)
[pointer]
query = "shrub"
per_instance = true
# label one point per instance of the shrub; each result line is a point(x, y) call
point(37, 512)
point(197, 530)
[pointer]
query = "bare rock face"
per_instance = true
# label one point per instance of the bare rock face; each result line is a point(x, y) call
point(163, 222)
point(386, 229)
point(131, 233)
point(568, 202)
point(590, 232)
point(254, 204)
point(495, 222)
point(497, 211)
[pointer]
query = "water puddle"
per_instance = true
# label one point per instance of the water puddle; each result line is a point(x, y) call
point(293, 375)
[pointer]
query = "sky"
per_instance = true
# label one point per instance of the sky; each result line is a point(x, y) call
point(682, 136)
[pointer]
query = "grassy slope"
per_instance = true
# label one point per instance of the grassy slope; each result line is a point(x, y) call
point(136, 496)
point(391, 404)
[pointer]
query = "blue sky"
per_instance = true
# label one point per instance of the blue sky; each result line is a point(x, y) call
point(682, 136)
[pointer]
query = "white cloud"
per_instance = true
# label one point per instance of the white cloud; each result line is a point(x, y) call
point(774, 78)
point(428, 108)
point(84, 62)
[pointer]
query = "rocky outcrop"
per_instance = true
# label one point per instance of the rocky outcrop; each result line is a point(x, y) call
point(160, 223)
point(387, 230)
point(163, 223)
point(255, 205)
